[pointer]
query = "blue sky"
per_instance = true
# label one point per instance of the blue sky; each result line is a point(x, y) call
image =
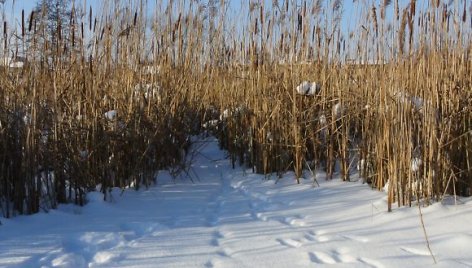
point(235, 5)
point(237, 9)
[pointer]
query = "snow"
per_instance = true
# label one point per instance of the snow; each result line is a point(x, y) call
point(16, 64)
point(151, 70)
point(211, 124)
point(149, 91)
point(416, 164)
point(233, 218)
point(110, 115)
point(308, 88)
point(405, 98)
point(228, 113)
point(337, 111)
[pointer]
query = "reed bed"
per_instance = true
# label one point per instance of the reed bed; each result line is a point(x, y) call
point(118, 93)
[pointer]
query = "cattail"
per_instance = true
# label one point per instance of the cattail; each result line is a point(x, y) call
point(23, 23)
point(136, 18)
point(411, 25)
point(256, 26)
point(261, 15)
point(374, 18)
point(5, 35)
point(102, 33)
point(31, 21)
point(413, 8)
point(300, 23)
point(90, 19)
point(313, 33)
point(281, 42)
point(269, 24)
point(179, 19)
point(304, 8)
point(73, 38)
point(58, 31)
point(444, 17)
point(401, 33)
point(464, 13)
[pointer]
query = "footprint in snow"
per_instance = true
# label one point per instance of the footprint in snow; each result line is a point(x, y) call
point(371, 263)
point(414, 251)
point(236, 185)
point(136, 230)
point(321, 258)
point(216, 237)
point(260, 216)
point(312, 236)
point(290, 243)
point(356, 238)
point(225, 252)
point(296, 221)
point(212, 220)
point(254, 205)
point(88, 249)
point(273, 206)
point(69, 260)
point(104, 257)
point(333, 257)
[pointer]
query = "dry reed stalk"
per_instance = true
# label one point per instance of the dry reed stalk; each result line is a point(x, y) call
point(165, 82)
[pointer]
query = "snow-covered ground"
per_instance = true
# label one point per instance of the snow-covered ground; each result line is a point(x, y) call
point(232, 218)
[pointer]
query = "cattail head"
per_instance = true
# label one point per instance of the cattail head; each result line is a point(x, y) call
point(23, 23)
point(261, 15)
point(31, 21)
point(464, 13)
point(402, 31)
point(300, 22)
point(374, 18)
point(413, 8)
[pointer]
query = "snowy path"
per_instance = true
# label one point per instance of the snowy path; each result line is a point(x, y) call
point(233, 219)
